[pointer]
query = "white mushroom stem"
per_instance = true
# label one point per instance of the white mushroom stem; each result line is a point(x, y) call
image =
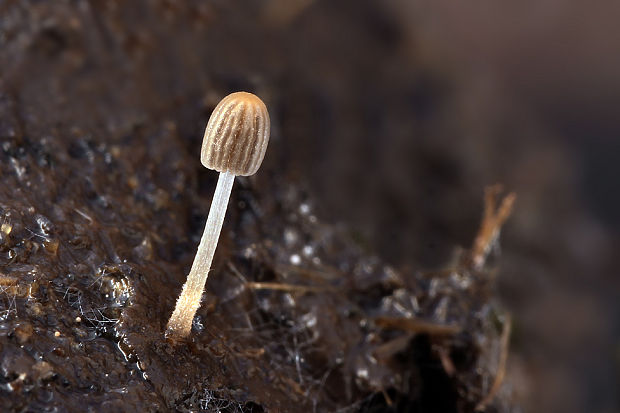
point(180, 323)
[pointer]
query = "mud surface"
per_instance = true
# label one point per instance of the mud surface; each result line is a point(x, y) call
point(103, 202)
point(88, 286)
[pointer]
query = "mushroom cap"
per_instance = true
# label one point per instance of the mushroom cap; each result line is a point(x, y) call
point(237, 135)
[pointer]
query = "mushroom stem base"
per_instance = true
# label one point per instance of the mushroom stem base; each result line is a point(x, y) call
point(180, 323)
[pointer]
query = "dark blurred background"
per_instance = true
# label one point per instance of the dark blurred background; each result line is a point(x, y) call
point(408, 110)
point(394, 115)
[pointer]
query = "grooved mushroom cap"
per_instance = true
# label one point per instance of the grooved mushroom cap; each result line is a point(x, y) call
point(237, 135)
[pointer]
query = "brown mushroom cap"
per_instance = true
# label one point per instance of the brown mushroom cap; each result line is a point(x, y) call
point(237, 135)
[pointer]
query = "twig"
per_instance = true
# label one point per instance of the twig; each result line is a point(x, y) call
point(392, 347)
point(284, 287)
point(492, 221)
point(388, 399)
point(416, 326)
point(254, 285)
point(501, 368)
point(446, 362)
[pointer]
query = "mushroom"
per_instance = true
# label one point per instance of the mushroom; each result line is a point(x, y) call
point(234, 143)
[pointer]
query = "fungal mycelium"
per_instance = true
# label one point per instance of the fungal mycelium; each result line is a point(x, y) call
point(234, 143)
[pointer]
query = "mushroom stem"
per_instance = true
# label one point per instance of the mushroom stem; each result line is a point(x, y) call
point(180, 323)
point(234, 143)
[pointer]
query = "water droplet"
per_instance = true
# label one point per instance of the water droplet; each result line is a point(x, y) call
point(362, 373)
point(290, 237)
point(295, 259)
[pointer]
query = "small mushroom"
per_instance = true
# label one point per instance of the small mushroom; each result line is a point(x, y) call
point(234, 143)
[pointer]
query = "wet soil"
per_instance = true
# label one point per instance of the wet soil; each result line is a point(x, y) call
point(103, 201)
